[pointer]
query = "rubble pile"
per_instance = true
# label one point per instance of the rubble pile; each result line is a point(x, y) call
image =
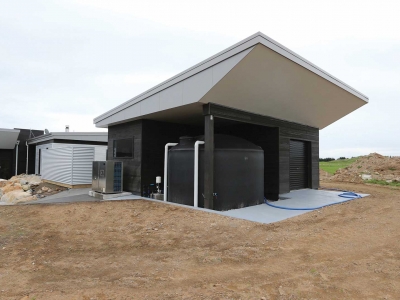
point(24, 188)
point(19, 188)
point(372, 166)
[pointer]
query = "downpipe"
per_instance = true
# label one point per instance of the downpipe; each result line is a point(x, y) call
point(166, 169)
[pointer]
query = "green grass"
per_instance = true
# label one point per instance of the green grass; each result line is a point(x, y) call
point(383, 182)
point(332, 166)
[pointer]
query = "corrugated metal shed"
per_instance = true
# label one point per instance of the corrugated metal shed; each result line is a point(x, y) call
point(82, 164)
point(70, 166)
point(100, 152)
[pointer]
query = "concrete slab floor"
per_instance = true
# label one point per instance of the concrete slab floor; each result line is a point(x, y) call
point(306, 198)
point(80, 195)
point(71, 195)
point(263, 213)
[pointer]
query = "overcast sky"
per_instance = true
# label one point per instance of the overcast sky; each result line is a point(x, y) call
point(66, 62)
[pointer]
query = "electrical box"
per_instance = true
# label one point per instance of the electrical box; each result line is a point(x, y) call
point(107, 176)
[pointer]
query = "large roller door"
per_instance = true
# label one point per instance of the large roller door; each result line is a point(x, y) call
point(298, 172)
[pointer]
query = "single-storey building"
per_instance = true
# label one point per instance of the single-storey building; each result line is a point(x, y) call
point(14, 153)
point(66, 158)
point(256, 90)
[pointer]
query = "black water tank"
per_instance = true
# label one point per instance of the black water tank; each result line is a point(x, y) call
point(238, 172)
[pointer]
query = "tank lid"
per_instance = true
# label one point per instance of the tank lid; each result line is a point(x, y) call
point(186, 141)
point(184, 138)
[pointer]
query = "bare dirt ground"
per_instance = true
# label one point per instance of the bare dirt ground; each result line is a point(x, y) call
point(146, 250)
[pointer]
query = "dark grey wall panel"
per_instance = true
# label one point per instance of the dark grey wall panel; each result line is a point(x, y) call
point(265, 137)
point(287, 131)
point(23, 136)
point(271, 134)
point(155, 135)
point(284, 165)
point(132, 166)
point(315, 165)
point(6, 163)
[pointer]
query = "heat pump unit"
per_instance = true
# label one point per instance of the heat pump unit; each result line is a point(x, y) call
point(107, 176)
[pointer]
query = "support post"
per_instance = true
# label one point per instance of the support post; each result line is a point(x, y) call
point(208, 161)
point(27, 158)
point(16, 159)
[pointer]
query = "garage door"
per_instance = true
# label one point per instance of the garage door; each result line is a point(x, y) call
point(298, 172)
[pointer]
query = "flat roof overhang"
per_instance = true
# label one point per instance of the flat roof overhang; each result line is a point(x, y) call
point(257, 75)
point(71, 136)
point(8, 138)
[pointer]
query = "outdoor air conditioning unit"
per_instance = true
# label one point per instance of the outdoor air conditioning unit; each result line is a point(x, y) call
point(107, 176)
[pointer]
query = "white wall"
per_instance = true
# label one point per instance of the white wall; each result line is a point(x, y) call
point(100, 151)
point(69, 165)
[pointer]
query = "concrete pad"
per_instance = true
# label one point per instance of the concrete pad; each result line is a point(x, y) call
point(71, 195)
point(306, 198)
point(102, 196)
point(68, 199)
point(263, 213)
point(68, 193)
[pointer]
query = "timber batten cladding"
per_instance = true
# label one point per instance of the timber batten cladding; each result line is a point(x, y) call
point(257, 90)
point(271, 134)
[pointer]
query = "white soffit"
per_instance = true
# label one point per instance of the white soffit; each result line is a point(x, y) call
point(189, 90)
point(8, 138)
point(267, 83)
point(191, 85)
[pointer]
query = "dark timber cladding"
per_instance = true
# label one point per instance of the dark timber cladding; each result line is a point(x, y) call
point(286, 131)
point(156, 135)
point(209, 161)
point(272, 135)
point(6, 163)
point(132, 166)
point(149, 139)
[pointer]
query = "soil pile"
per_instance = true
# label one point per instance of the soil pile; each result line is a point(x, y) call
point(372, 166)
point(25, 188)
point(323, 175)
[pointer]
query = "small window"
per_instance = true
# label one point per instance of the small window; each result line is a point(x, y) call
point(123, 148)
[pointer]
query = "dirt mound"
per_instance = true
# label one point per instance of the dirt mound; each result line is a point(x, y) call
point(372, 166)
point(323, 175)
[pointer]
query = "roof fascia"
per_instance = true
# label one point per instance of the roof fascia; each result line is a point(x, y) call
point(257, 38)
point(63, 135)
point(274, 45)
point(205, 64)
